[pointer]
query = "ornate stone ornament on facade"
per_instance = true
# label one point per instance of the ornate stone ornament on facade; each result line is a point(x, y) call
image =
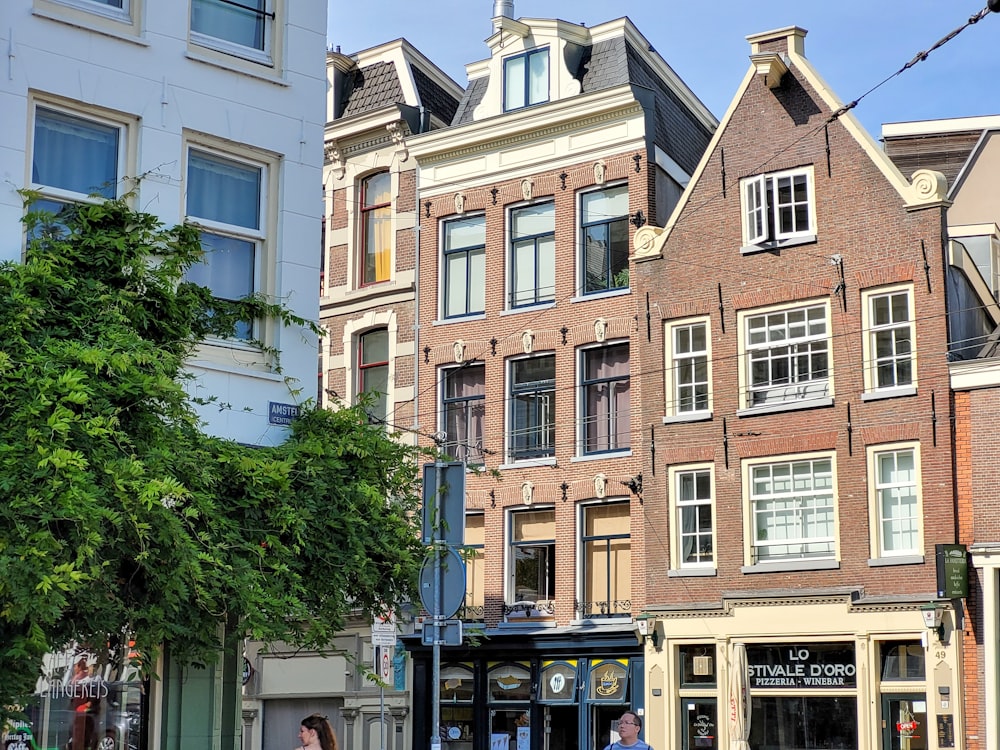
point(459, 350)
point(599, 171)
point(527, 188)
point(928, 186)
point(648, 242)
point(459, 203)
point(335, 156)
point(528, 341)
point(396, 131)
point(601, 330)
point(527, 492)
point(600, 486)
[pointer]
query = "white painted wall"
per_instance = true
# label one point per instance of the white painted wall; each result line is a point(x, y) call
point(147, 70)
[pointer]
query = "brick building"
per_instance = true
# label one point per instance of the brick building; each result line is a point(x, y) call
point(568, 138)
point(968, 150)
point(376, 100)
point(804, 308)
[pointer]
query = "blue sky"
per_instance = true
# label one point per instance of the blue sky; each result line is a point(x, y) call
point(854, 44)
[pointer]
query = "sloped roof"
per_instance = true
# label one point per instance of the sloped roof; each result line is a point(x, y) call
point(372, 87)
point(433, 97)
point(616, 62)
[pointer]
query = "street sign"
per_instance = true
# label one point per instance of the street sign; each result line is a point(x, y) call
point(383, 663)
point(447, 632)
point(384, 631)
point(452, 592)
point(444, 503)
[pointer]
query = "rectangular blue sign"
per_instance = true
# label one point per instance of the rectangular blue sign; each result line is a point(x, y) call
point(278, 413)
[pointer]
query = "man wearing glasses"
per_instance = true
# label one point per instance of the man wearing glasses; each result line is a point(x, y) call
point(629, 726)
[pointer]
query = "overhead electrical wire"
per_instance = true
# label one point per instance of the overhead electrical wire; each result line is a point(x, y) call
point(993, 6)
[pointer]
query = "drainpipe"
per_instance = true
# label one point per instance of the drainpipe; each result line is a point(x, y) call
point(416, 300)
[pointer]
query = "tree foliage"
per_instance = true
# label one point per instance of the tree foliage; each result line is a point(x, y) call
point(119, 517)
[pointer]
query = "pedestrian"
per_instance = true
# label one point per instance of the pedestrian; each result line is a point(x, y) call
point(317, 734)
point(629, 726)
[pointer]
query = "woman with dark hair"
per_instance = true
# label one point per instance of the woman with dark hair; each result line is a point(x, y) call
point(317, 734)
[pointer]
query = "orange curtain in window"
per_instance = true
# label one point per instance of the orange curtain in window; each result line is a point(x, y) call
point(382, 244)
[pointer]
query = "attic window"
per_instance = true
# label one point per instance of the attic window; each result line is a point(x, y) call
point(526, 79)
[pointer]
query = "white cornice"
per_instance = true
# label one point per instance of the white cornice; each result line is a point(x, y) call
point(975, 373)
point(355, 127)
point(532, 123)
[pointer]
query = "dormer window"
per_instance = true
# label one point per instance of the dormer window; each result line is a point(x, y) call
point(526, 79)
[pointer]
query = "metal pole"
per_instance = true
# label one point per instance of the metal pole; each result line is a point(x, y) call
point(436, 616)
point(381, 700)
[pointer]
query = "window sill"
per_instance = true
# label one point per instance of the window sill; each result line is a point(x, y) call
point(232, 63)
point(623, 292)
point(810, 403)
point(788, 566)
point(880, 562)
point(772, 245)
point(111, 25)
point(694, 416)
point(528, 463)
point(458, 319)
point(907, 390)
point(626, 453)
point(692, 572)
point(528, 308)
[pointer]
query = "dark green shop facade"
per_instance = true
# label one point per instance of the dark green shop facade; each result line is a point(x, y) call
point(545, 689)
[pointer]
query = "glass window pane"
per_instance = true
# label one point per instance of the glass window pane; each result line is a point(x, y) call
point(71, 153)
point(546, 269)
point(477, 281)
point(538, 77)
point(223, 190)
point(230, 22)
point(533, 220)
point(463, 233)
point(603, 205)
point(514, 82)
point(455, 284)
point(375, 347)
point(227, 267)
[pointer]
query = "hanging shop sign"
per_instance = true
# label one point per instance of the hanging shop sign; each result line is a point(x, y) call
point(802, 665)
point(952, 571)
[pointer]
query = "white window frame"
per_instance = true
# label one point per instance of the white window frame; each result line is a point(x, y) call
point(263, 55)
point(512, 458)
point(798, 506)
point(760, 205)
point(541, 603)
point(259, 236)
point(605, 221)
point(581, 521)
point(472, 455)
point(880, 552)
point(468, 252)
point(539, 298)
point(526, 55)
point(125, 158)
point(678, 507)
point(673, 363)
point(613, 415)
point(800, 391)
point(116, 21)
point(872, 331)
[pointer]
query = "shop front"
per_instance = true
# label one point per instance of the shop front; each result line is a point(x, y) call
point(83, 701)
point(562, 691)
point(832, 675)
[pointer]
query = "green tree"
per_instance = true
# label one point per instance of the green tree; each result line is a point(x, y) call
point(120, 518)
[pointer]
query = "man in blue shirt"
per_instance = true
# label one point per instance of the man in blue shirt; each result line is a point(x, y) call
point(629, 726)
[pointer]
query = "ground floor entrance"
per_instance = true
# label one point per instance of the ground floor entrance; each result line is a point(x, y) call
point(520, 692)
